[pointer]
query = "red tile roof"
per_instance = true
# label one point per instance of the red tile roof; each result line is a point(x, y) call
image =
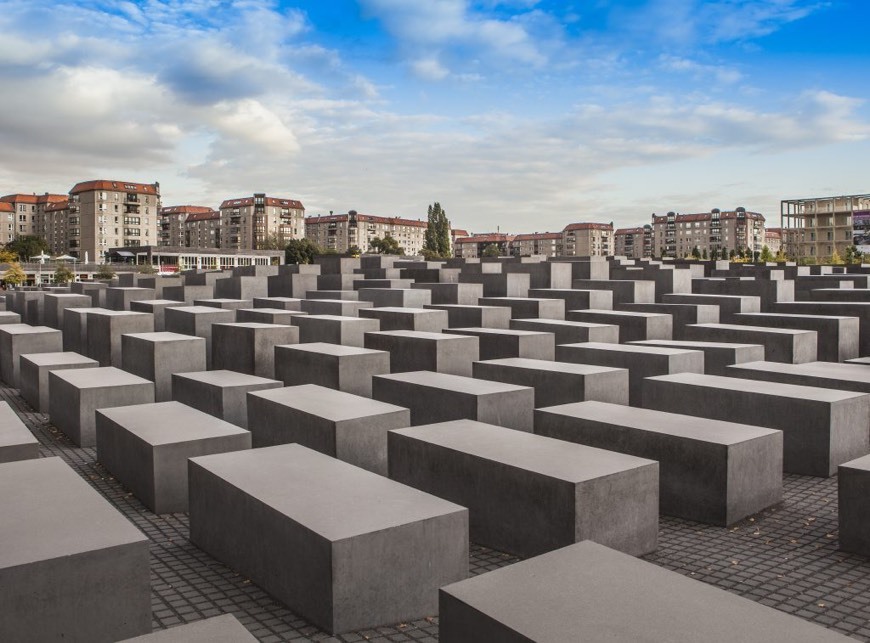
point(367, 218)
point(272, 201)
point(485, 238)
point(115, 186)
point(208, 215)
point(588, 226)
point(5, 206)
point(57, 206)
point(538, 236)
point(459, 233)
point(707, 216)
point(622, 231)
point(184, 209)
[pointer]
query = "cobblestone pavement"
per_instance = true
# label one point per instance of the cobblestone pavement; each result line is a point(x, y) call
point(785, 557)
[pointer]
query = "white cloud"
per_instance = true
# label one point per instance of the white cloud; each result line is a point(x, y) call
point(719, 73)
point(430, 69)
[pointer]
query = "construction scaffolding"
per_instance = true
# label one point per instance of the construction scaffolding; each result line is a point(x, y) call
point(816, 227)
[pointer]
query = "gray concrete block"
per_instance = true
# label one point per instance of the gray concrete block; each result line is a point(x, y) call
point(422, 319)
point(499, 343)
point(146, 448)
point(588, 592)
point(55, 304)
point(633, 326)
point(710, 471)
point(188, 293)
point(780, 344)
point(770, 292)
point(853, 489)
point(34, 369)
point(558, 382)
point(105, 328)
point(822, 428)
point(624, 292)
point(335, 329)
point(157, 308)
point(75, 329)
point(223, 394)
point(249, 347)
point(120, 298)
point(842, 377)
point(345, 426)
point(377, 556)
point(718, 356)
point(217, 629)
point(337, 307)
point(285, 303)
point(16, 440)
point(267, 315)
point(525, 307)
point(157, 356)
point(243, 287)
point(452, 293)
point(291, 285)
point(729, 305)
point(570, 332)
point(72, 567)
point(344, 368)
point(681, 314)
point(77, 393)
point(861, 310)
point(440, 397)
point(9, 317)
point(396, 297)
point(837, 336)
point(499, 285)
point(348, 295)
point(96, 290)
point(466, 316)
point(22, 339)
point(641, 361)
point(527, 494)
point(419, 351)
point(197, 321)
point(576, 299)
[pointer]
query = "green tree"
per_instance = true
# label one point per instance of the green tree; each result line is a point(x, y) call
point(437, 239)
point(731, 254)
point(301, 251)
point(780, 255)
point(853, 255)
point(696, 252)
point(386, 246)
point(272, 241)
point(836, 259)
point(27, 246)
point(491, 250)
point(147, 269)
point(63, 275)
point(704, 254)
point(105, 272)
point(353, 251)
point(15, 274)
point(766, 254)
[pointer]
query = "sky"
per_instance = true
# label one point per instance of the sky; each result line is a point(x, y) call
point(515, 115)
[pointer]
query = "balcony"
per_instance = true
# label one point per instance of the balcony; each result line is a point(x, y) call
point(131, 198)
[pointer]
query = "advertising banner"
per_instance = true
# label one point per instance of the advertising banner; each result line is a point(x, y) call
point(861, 230)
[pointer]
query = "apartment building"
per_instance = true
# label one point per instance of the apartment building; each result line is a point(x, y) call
point(677, 235)
point(341, 231)
point(815, 227)
point(475, 245)
point(248, 223)
point(107, 214)
point(53, 226)
point(190, 226)
point(587, 240)
point(634, 243)
point(7, 222)
point(28, 209)
point(773, 239)
point(548, 244)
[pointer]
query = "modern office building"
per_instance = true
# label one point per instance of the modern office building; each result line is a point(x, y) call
point(339, 232)
point(677, 235)
point(815, 227)
point(249, 223)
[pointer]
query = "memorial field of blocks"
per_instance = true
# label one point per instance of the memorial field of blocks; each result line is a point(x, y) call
point(386, 448)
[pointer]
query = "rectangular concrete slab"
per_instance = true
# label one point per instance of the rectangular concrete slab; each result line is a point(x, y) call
point(217, 629)
point(822, 428)
point(335, 329)
point(364, 550)
point(499, 343)
point(528, 494)
point(16, 440)
point(441, 397)
point(72, 568)
point(220, 393)
point(156, 356)
point(712, 471)
point(345, 426)
point(22, 339)
point(570, 332)
point(34, 369)
point(780, 344)
point(468, 316)
point(420, 351)
point(146, 447)
point(633, 326)
point(344, 368)
point(588, 592)
point(718, 356)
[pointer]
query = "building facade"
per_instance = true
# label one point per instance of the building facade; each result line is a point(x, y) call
point(53, 226)
point(28, 211)
point(548, 244)
point(7, 222)
point(587, 240)
point(634, 243)
point(475, 245)
point(191, 226)
point(816, 227)
point(773, 239)
point(250, 223)
point(339, 232)
point(106, 214)
point(677, 235)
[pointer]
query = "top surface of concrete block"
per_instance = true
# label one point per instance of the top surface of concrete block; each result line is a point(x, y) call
point(217, 629)
point(632, 348)
point(557, 367)
point(823, 370)
point(335, 350)
point(103, 377)
point(327, 403)
point(53, 513)
point(169, 423)
point(329, 497)
point(26, 329)
point(590, 592)
point(456, 383)
point(692, 344)
point(223, 378)
point(758, 387)
point(542, 455)
point(56, 359)
point(163, 336)
point(674, 424)
point(420, 335)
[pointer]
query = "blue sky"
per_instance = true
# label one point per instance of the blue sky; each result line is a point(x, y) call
point(515, 114)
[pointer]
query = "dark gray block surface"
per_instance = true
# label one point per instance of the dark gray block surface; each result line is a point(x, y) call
point(220, 393)
point(419, 351)
point(34, 369)
point(217, 629)
point(16, 441)
point(344, 368)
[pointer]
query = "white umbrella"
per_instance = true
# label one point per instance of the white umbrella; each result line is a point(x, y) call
point(66, 258)
point(41, 257)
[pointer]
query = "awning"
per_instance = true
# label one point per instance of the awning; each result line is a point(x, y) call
point(123, 253)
